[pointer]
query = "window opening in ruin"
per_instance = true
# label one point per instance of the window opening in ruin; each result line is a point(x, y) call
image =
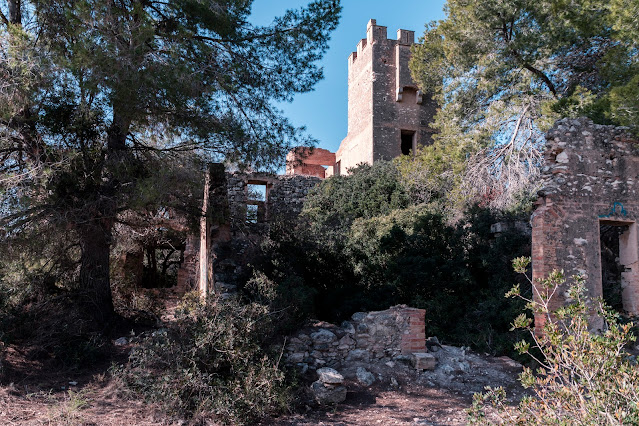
point(408, 138)
point(619, 258)
point(257, 193)
point(252, 213)
point(338, 168)
point(161, 263)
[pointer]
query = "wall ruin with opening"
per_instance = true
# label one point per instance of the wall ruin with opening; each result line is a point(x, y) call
point(240, 209)
point(584, 221)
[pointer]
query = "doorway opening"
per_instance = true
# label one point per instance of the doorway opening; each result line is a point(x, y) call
point(408, 142)
point(619, 269)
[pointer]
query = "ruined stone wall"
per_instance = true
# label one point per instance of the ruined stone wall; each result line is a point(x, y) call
point(230, 235)
point(590, 178)
point(284, 198)
point(237, 190)
point(310, 162)
point(368, 337)
point(287, 195)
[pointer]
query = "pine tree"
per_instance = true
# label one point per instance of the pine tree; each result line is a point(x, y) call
point(95, 94)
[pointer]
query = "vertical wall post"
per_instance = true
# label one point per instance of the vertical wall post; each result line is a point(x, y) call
point(203, 283)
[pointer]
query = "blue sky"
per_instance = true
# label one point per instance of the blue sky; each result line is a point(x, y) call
point(324, 111)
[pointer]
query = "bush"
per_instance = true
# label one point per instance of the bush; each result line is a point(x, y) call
point(210, 361)
point(289, 301)
point(367, 192)
point(458, 273)
point(586, 377)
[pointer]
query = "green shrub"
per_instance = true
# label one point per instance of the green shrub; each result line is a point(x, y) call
point(210, 362)
point(311, 271)
point(457, 272)
point(289, 301)
point(586, 377)
point(367, 192)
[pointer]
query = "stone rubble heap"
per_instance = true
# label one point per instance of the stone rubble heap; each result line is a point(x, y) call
point(388, 348)
point(394, 334)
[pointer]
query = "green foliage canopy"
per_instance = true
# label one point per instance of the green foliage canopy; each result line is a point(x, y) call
point(367, 192)
point(504, 71)
point(97, 96)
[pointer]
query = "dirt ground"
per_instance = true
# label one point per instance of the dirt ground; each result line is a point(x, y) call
point(99, 404)
point(38, 391)
point(411, 405)
point(90, 397)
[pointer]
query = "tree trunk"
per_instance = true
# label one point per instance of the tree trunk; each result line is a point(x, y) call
point(94, 270)
point(15, 13)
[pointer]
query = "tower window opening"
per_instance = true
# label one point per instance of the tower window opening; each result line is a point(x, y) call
point(408, 141)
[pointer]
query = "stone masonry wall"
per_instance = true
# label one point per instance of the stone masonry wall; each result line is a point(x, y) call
point(368, 337)
point(383, 100)
point(287, 195)
point(229, 231)
point(590, 179)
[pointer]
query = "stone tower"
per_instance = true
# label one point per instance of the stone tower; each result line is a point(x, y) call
point(387, 114)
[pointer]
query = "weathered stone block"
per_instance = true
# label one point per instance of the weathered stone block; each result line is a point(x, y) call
point(425, 361)
point(323, 336)
point(330, 376)
point(328, 394)
point(365, 377)
point(358, 355)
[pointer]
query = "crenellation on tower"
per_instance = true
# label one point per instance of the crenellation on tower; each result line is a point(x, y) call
point(406, 37)
point(375, 32)
point(361, 46)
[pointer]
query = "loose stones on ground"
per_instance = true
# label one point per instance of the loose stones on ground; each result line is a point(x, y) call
point(329, 389)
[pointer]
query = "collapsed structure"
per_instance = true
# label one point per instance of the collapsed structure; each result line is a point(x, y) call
point(388, 115)
point(585, 219)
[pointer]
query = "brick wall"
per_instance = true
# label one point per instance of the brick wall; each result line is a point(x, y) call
point(414, 336)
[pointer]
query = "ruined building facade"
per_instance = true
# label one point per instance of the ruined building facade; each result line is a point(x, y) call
point(237, 210)
point(388, 115)
point(585, 220)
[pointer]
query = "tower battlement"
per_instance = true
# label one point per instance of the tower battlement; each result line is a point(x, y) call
point(378, 33)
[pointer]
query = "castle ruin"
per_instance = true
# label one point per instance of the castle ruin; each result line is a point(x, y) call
point(388, 115)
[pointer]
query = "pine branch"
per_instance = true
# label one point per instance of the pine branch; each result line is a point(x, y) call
point(4, 19)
